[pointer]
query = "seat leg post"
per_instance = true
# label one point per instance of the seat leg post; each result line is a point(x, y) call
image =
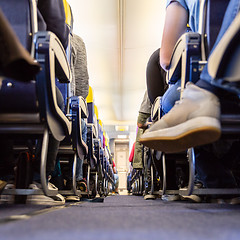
point(44, 160)
point(191, 159)
point(88, 178)
point(43, 165)
point(96, 182)
point(164, 183)
point(74, 174)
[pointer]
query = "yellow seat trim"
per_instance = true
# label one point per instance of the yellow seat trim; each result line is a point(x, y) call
point(96, 111)
point(68, 13)
point(89, 98)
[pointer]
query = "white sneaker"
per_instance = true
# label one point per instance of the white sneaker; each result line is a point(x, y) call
point(149, 197)
point(58, 197)
point(72, 198)
point(8, 198)
point(171, 197)
point(193, 198)
point(193, 121)
point(42, 199)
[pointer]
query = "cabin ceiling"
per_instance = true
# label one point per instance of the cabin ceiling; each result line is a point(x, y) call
point(120, 36)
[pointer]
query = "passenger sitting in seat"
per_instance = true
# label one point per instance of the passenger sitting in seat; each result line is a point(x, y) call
point(155, 77)
point(51, 17)
point(80, 74)
point(130, 168)
point(116, 178)
point(79, 87)
point(156, 86)
point(198, 113)
point(142, 124)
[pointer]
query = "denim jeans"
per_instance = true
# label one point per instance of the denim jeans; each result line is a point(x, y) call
point(170, 97)
point(116, 181)
point(79, 168)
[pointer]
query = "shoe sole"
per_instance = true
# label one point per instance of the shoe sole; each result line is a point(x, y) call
point(192, 198)
point(72, 199)
point(149, 197)
point(192, 133)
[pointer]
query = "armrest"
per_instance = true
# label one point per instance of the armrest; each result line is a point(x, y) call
point(83, 106)
point(77, 139)
point(224, 61)
point(46, 86)
point(92, 127)
point(62, 68)
point(156, 108)
point(81, 103)
point(174, 71)
point(188, 45)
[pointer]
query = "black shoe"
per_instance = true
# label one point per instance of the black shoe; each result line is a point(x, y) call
point(82, 185)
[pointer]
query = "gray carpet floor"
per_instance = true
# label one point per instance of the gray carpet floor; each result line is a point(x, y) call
point(120, 218)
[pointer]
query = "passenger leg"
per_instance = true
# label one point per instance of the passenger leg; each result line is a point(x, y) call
point(155, 76)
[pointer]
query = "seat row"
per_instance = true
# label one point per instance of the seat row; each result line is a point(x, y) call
point(31, 118)
point(175, 173)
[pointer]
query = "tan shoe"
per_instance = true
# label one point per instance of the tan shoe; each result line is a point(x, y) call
point(193, 121)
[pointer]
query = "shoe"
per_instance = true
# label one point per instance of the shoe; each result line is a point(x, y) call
point(42, 199)
point(82, 185)
point(171, 198)
point(149, 197)
point(193, 121)
point(235, 201)
point(232, 201)
point(58, 182)
point(57, 197)
point(8, 198)
point(72, 198)
point(192, 198)
point(2, 185)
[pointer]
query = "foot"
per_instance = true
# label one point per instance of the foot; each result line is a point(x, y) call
point(171, 197)
point(82, 185)
point(72, 198)
point(2, 185)
point(193, 121)
point(150, 197)
point(42, 199)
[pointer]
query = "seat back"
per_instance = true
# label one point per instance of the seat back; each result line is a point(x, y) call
point(65, 88)
point(100, 133)
point(19, 16)
point(18, 97)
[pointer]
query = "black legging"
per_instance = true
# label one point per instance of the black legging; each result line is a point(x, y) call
point(155, 75)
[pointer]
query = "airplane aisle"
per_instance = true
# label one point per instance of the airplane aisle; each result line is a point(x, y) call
point(121, 217)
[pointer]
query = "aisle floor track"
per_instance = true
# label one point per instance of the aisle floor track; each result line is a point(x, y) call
point(119, 218)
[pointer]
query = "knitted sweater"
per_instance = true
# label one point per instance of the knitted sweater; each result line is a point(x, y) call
point(80, 83)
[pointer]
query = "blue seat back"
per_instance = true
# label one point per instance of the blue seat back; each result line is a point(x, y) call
point(17, 97)
point(91, 113)
point(19, 16)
